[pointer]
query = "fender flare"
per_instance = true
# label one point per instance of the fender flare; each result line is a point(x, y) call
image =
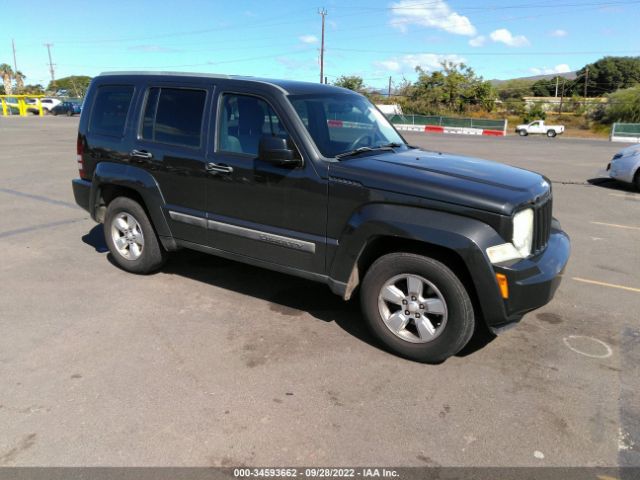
point(465, 236)
point(134, 178)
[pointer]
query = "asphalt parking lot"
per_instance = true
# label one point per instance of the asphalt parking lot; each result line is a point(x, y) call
point(209, 362)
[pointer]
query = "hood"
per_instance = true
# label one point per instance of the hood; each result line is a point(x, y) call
point(628, 151)
point(465, 181)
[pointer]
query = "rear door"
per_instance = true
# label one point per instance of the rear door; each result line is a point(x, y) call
point(171, 144)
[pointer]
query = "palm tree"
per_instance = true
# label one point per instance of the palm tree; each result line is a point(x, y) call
point(7, 75)
point(19, 76)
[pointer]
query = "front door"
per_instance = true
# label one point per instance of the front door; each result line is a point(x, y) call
point(276, 214)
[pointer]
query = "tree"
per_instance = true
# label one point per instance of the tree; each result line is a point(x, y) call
point(36, 89)
point(536, 112)
point(453, 89)
point(19, 76)
point(546, 87)
point(7, 76)
point(514, 89)
point(623, 106)
point(75, 85)
point(352, 82)
point(608, 75)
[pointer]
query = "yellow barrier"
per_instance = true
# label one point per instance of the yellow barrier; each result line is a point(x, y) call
point(21, 104)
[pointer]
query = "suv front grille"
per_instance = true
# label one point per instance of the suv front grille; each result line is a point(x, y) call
point(541, 225)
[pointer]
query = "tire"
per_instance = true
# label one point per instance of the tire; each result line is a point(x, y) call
point(636, 180)
point(451, 320)
point(551, 133)
point(138, 250)
point(54, 113)
point(523, 133)
point(69, 113)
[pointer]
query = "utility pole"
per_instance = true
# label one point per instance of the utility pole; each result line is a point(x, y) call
point(389, 90)
point(586, 81)
point(561, 98)
point(557, 81)
point(51, 70)
point(322, 12)
point(15, 63)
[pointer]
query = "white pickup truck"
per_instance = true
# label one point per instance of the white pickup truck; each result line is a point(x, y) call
point(539, 126)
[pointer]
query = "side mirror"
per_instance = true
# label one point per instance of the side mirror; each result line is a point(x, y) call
point(276, 150)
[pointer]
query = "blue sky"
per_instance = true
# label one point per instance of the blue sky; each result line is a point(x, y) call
point(275, 38)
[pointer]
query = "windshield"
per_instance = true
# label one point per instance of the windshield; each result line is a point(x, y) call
point(343, 122)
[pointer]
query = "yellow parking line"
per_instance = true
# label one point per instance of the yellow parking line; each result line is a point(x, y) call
point(615, 225)
point(629, 196)
point(603, 284)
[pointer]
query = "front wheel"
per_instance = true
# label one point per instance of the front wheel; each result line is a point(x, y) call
point(551, 133)
point(523, 133)
point(417, 307)
point(130, 237)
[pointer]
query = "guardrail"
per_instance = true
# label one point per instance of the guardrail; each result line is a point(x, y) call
point(625, 132)
point(440, 124)
point(20, 105)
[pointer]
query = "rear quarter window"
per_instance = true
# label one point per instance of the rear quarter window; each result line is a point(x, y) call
point(110, 110)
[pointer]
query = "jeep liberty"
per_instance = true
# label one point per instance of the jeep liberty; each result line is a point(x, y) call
point(312, 180)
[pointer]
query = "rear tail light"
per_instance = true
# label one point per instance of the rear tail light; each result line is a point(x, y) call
point(80, 151)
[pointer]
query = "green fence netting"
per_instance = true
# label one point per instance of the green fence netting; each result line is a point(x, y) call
point(626, 130)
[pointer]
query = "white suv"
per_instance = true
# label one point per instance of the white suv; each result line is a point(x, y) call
point(49, 103)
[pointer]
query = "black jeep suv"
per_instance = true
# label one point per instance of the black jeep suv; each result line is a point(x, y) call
point(313, 180)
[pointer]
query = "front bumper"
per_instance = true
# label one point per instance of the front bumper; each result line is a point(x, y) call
point(621, 171)
point(534, 281)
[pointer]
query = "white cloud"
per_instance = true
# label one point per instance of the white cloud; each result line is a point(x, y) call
point(559, 33)
point(408, 63)
point(392, 65)
point(478, 41)
point(436, 14)
point(502, 35)
point(561, 68)
point(308, 39)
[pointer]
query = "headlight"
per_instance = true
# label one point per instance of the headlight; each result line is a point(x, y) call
point(523, 231)
point(521, 241)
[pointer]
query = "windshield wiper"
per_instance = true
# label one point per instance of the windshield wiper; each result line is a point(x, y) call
point(389, 147)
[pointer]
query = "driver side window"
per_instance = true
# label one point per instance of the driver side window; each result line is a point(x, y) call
point(243, 120)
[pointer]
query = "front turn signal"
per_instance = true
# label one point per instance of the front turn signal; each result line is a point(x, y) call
point(503, 284)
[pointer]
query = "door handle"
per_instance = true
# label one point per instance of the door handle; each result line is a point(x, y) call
point(141, 154)
point(218, 168)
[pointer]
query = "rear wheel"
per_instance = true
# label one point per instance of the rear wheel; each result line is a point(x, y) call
point(130, 237)
point(551, 133)
point(636, 180)
point(69, 113)
point(417, 307)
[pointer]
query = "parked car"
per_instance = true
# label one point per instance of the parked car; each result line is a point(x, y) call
point(312, 180)
point(539, 127)
point(66, 108)
point(49, 103)
point(625, 166)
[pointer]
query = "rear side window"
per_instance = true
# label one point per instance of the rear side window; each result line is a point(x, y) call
point(110, 110)
point(174, 116)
